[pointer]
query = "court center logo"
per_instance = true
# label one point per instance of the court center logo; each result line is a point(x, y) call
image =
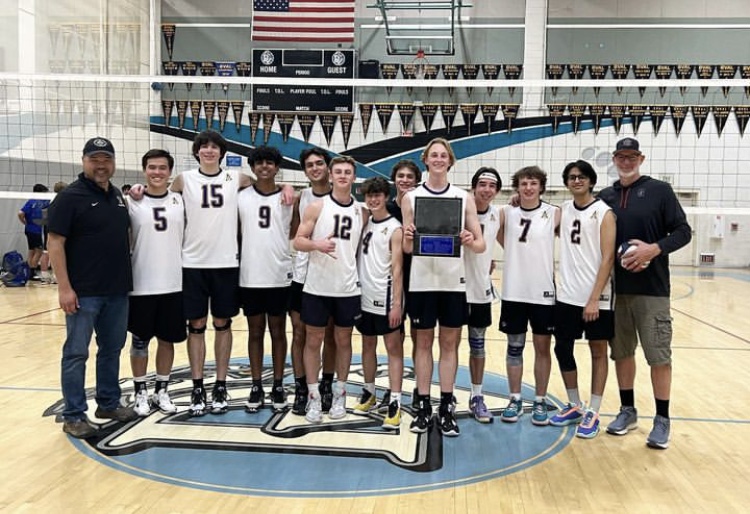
point(281, 454)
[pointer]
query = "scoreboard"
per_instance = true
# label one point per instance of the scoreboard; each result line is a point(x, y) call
point(303, 64)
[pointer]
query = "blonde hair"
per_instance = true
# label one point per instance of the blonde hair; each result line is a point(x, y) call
point(439, 141)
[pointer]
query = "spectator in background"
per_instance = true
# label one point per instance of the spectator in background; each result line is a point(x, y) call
point(31, 216)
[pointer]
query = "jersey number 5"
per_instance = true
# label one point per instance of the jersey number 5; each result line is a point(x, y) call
point(160, 221)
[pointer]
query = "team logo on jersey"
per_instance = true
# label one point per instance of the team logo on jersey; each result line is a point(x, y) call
point(545, 215)
point(594, 215)
point(206, 452)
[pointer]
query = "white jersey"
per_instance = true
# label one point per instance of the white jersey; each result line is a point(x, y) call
point(265, 260)
point(211, 219)
point(581, 255)
point(307, 196)
point(157, 224)
point(326, 275)
point(529, 268)
point(478, 279)
point(438, 273)
point(375, 268)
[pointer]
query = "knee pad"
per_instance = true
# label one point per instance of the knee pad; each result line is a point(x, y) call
point(139, 347)
point(564, 353)
point(196, 330)
point(476, 342)
point(225, 327)
point(516, 344)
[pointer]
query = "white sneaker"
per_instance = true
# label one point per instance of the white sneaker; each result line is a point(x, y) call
point(163, 402)
point(338, 407)
point(314, 410)
point(142, 407)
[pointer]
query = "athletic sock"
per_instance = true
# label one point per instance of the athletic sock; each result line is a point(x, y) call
point(662, 408)
point(627, 397)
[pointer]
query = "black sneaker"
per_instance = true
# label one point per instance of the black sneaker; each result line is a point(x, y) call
point(123, 414)
point(326, 395)
point(256, 399)
point(415, 399)
point(447, 419)
point(197, 402)
point(382, 407)
point(219, 400)
point(278, 398)
point(300, 401)
point(422, 421)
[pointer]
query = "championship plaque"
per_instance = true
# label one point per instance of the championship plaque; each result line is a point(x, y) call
point(438, 223)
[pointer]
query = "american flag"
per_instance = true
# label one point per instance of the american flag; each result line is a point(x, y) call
point(303, 21)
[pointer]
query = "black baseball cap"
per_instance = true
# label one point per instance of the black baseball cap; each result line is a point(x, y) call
point(627, 144)
point(97, 145)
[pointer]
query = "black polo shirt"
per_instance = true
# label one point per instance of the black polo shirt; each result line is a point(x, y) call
point(95, 224)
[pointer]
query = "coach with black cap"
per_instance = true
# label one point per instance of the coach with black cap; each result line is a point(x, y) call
point(650, 217)
point(90, 253)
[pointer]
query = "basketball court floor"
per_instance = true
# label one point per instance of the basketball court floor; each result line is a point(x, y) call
point(277, 463)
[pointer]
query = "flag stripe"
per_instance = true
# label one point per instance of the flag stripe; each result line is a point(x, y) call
point(297, 20)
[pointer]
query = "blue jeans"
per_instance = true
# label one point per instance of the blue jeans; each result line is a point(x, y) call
point(108, 316)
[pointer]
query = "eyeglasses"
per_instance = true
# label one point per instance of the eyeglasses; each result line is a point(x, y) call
point(577, 178)
point(629, 158)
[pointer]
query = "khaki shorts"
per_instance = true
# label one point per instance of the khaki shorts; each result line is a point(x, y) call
point(647, 318)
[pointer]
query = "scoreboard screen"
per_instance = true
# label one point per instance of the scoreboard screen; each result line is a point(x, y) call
point(303, 64)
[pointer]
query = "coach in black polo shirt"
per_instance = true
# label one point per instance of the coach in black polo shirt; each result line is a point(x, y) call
point(90, 253)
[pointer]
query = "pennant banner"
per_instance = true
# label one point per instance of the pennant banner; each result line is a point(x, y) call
point(238, 109)
point(223, 108)
point(365, 113)
point(685, 72)
point(244, 69)
point(268, 119)
point(209, 107)
point(406, 113)
point(428, 112)
point(576, 113)
point(190, 69)
point(658, 113)
point(489, 112)
point(166, 107)
point(617, 113)
point(409, 72)
point(620, 72)
point(225, 69)
point(471, 72)
point(555, 72)
point(706, 72)
point(598, 72)
point(195, 112)
point(575, 72)
point(636, 113)
point(347, 120)
point(328, 124)
point(510, 112)
point(449, 115)
point(306, 122)
point(727, 71)
point(450, 72)
point(642, 72)
point(745, 74)
point(700, 115)
point(556, 112)
point(208, 69)
point(254, 119)
point(721, 114)
point(168, 31)
point(286, 120)
point(385, 111)
point(512, 72)
point(679, 113)
point(490, 72)
point(430, 73)
point(663, 72)
point(170, 68)
point(742, 114)
point(389, 71)
point(182, 108)
point(470, 113)
point(597, 111)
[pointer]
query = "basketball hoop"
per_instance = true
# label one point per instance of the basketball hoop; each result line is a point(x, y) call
point(420, 63)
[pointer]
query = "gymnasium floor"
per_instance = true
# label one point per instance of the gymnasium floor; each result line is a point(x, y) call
point(265, 463)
